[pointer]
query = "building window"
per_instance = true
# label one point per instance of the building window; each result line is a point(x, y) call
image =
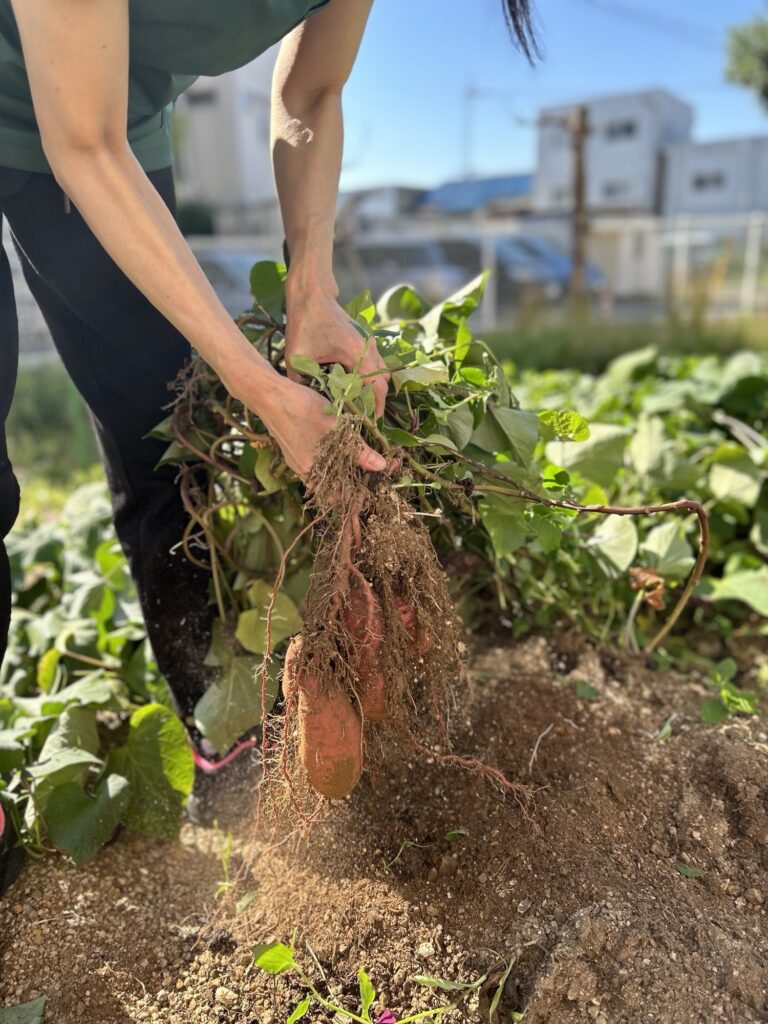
point(615, 130)
point(201, 97)
point(615, 189)
point(706, 181)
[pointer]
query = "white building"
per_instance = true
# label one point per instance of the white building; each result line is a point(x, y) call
point(728, 176)
point(221, 130)
point(628, 133)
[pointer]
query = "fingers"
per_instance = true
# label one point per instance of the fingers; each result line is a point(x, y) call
point(371, 460)
point(373, 363)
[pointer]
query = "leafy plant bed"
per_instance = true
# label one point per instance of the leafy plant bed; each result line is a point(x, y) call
point(473, 465)
point(78, 666)
point(636, 891)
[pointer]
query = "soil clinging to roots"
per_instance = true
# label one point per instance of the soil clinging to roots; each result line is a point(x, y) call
point(380, 644)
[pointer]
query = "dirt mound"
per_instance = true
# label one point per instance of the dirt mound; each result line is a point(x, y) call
point(634, 890)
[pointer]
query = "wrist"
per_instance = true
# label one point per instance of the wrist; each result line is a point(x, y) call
point(307, 285)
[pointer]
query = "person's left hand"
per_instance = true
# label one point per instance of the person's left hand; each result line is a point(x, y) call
point(323, 331)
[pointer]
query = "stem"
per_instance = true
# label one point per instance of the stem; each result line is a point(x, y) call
point(326, 1004)
point(515, 490)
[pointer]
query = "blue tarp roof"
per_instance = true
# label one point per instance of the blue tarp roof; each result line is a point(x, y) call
point(465, 196)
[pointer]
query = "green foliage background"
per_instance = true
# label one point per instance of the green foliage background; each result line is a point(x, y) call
point(88, 737)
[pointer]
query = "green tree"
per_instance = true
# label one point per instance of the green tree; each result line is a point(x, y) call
point(748, 56)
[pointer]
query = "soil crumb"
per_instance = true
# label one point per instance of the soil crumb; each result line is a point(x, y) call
point(633, 889)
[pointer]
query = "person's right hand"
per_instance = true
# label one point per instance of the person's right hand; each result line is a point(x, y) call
point(298, 418)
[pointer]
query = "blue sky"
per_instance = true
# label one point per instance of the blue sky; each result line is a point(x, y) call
point(404, 106)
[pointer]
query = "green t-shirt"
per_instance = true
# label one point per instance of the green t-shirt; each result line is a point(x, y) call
point(172, 42)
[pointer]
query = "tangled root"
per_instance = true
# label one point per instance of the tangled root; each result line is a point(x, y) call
point(380, 639)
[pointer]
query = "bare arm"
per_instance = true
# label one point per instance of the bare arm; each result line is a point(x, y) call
point(76, 52)
point(307, 141)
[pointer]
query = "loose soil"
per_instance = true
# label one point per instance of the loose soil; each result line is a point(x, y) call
point(583, 894)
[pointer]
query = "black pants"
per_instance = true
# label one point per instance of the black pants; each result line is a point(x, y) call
point(122, 354)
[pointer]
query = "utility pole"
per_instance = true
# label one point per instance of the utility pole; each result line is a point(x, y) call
point(578, 127)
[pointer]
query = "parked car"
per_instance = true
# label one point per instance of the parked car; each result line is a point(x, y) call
point(545, 248)
point(380, 265)
point(228, 270)
point(526, 265)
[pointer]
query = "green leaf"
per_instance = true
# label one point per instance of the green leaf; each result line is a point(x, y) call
point(737, 701)
point(402, 437)
point(420, 375)
point(549, 534)
point(455, 835)
point(521, 430)
point(75, 728)
point(268, 287)
point(563, 425)
point(714, 711)
point(598, 458)
point(401, 303)
point(502, 518)
point(739, 479)
point(688, 871)
point(26, 1013)
point(300, 1011)
point(262, 470)
point(252, 624)
point(273, 957)
point(48, 669)
point(615, 539)
point(586, 691)
point(367, 993)
point(176, 453)
point(157, 761)
point(232, 704)
point(447, 986)
point(79, 823)
point(759, 532)
point(647, 445)
point(666, 550)
point(460, 424)
point(463, 301)
point(65, 765)
point(362, 307)
point(11, 751)
point(306, 366)
point(750, 586)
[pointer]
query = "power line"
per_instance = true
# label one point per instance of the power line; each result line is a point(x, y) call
point(683, 31)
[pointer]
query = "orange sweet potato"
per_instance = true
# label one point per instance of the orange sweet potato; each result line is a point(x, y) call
point(330, 731)
point(364, 621)
point(423, 642)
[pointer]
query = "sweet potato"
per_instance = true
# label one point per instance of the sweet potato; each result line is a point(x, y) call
point(364, 621)
point(330, 731)
point(423, 642)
